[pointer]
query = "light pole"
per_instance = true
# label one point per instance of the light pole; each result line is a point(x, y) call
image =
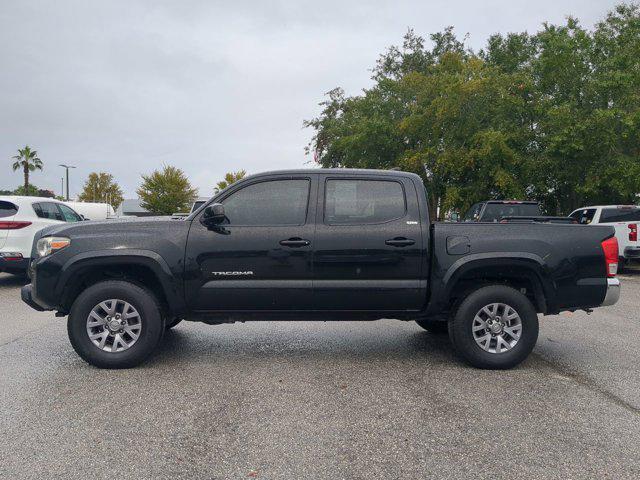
point(67, 167)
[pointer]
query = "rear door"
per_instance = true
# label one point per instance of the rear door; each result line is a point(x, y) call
point(368, 245)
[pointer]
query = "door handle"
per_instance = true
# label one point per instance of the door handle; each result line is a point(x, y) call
point(295, 242)
point(400, 242)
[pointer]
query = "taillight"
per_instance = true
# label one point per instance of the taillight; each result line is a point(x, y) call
point(11, 256)
point(13, 225)
point(633, 232)
point(610, 249)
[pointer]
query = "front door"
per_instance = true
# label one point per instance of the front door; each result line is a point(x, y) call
point(368, 246)
point(261, 257)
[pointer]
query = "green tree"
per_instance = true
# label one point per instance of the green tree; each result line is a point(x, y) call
point(229, 179)
point(33, 192)
point(28, 161)
point(553, 116)
point(100, 187)
point(166, 192)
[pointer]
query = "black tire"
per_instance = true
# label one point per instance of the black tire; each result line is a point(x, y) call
point(172, 323)
point(150, 318)
point(622, 264)
point(433, 326)
point(462, 337)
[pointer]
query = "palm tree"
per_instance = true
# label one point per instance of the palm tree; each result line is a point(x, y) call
point(29, 161)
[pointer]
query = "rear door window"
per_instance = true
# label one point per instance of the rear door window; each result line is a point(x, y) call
point(48, 210)
point(624, 214)
point(584, 216)
point(363, 202)
point(7, 209)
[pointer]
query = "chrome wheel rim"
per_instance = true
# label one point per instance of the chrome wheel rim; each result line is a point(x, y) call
point(114, 325)
point(497, 328)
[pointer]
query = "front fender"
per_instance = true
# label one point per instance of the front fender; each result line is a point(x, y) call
point(170, 281)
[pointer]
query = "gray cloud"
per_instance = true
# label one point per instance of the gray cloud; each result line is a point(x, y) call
point(125, 86)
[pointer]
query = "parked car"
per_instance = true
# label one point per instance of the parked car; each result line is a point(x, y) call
point(20, 219)
point(318, 245)
point(93, 210)
point(496, 210)
point(196, 205)
point(625, 220)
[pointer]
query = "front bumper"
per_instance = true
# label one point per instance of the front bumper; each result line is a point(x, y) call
point(613, 292)
point(27, 297)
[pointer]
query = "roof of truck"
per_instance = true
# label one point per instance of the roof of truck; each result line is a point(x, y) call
point(338, 171)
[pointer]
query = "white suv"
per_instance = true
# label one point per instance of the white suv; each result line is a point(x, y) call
point(624, 218)
point(20, 219)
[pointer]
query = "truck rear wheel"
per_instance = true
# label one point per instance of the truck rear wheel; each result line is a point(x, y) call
point(115, 324)
point(495, 327)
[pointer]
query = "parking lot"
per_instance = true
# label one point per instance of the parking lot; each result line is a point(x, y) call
point(322, 400)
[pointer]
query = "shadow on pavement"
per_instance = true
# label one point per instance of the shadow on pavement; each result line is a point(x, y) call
point(191, 343)
point(12, 281)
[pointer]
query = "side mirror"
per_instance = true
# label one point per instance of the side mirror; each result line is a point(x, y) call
point(213, 215)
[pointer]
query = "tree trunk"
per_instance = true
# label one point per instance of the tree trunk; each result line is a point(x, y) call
point(26, 179)
point(433, 207)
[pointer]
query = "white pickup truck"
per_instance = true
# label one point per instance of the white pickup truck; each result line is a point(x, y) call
point(624, 218)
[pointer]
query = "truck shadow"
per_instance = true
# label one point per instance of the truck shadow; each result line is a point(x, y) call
point(186, 344)
point(8, 281)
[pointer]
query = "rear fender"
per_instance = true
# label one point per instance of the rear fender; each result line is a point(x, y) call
point(507, 266)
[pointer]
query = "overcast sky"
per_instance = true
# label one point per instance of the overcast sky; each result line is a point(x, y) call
point(208, 86)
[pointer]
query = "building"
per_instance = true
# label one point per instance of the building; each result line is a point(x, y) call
point(131, 208)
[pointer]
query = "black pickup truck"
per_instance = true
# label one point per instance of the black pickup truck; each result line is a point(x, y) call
point(318, 245)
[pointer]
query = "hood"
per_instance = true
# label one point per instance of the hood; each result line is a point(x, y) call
point(104, 226)
point(131, 230)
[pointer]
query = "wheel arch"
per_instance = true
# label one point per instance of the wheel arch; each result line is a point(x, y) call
point(524, 272)
point(145, 268)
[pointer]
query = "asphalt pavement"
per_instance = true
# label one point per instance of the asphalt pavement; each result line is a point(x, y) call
point(334, 400)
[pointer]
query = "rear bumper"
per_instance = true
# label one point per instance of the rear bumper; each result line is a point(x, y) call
point(27, 297)
point(14, 266)
point(632, 252)
point(613, 292)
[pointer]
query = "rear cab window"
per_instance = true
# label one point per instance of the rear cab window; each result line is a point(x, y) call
point(7, 209)
point(363, 202)
point(494, 212)
point(619, 214)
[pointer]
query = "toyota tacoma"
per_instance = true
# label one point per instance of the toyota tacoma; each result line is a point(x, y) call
point(318, 245)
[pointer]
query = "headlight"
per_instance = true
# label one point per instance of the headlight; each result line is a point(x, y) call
point(48, 245)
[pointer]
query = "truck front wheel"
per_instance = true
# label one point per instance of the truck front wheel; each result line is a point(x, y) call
point(495, 327)
point(115, 324)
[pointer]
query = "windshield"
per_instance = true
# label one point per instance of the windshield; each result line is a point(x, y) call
point(494, 212)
